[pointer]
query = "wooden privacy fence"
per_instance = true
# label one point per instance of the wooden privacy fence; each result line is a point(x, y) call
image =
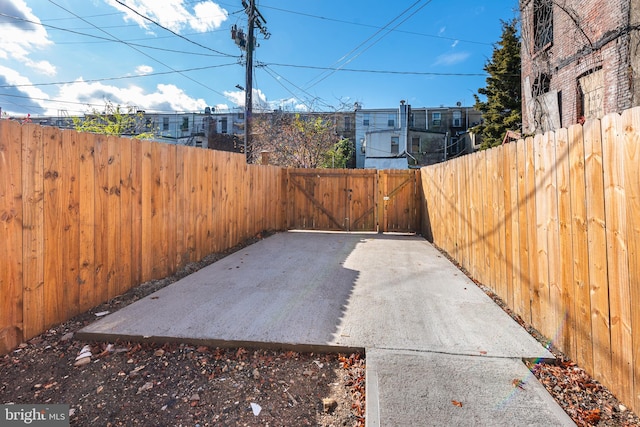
point(353, 200)
point(552, 225)
point(85, 217)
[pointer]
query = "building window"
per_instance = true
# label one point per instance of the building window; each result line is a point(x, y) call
point(347, 123)
point(591, 95)
point(391, 120)
point(542, 24)
point(436, 118)
point(541, 84)
point(165, 123)
point(365, 120)
point(415, 144)
point(223, 125)
point(395, 143)
point(457, 119)
point(185, 123)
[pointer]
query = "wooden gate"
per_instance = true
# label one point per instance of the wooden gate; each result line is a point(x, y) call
point(399, 207)
point(352, 200)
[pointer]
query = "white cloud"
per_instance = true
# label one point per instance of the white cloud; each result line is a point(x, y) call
point(455, 43)
point(166, 98)
point(452, 58)
point(24, 89)
point(22, 34)
point(141, 70)
point(205, 16)
point(208, 16)
point(442, 30)
point(237, 97)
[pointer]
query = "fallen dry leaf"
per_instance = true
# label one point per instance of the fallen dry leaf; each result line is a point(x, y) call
point(456, 403)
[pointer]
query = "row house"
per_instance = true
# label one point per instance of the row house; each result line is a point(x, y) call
point(405, 137)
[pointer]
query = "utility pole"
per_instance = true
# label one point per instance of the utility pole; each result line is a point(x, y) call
point(248, 43)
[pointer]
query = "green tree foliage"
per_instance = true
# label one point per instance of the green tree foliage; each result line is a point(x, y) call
point(295, 140)
point(502, 110)
point(340, 155)
point(115, 120)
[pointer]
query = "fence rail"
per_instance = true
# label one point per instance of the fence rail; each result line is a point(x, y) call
point(552, 225)
point(85, 217)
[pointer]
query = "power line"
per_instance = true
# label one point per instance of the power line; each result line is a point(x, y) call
point(105, 79)
point(307, 103)
point(413, 33)
point(326, 75)
point(416, 73)
point(139, 51)
point(109, 40)
point(171, 31)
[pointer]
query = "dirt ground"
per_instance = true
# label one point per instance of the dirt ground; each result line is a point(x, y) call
point(129, 384)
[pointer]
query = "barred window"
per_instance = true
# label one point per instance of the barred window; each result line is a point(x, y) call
point(542, 24)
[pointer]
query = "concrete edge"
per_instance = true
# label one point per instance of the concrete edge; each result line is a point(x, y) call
point(301, 348)
point(372, 399)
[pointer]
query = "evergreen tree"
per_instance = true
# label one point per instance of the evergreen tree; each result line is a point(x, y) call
point(502, 111)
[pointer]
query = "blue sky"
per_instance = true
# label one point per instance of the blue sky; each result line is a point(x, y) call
point(70, 56)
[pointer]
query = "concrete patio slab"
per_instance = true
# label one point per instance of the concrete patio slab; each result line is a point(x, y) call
point(416, 315)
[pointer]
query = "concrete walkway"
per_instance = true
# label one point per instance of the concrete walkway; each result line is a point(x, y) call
point(431, 336)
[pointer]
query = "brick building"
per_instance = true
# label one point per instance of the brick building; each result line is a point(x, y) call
point(580, 60)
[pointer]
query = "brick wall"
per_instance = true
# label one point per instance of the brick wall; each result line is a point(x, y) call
point(588, 35)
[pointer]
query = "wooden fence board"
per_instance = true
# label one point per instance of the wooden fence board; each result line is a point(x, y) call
point(631, 162)
point(490, 212)
point(477, 219)
point(466, 224)
point(170, 207)
point(508, 214)
point(147, 237)
point(553, 239)
point(33, 225)
point(580, 249)
point(617, 259)
point(565, 308)
point(101, 210)
point(114, 220)
point(70, 208)
point(501, 224)
point(532, 232)
point(181, 212)
point(87, 193)
point(136, 212)
point(53, 287)
point(540, 300)
point(524, 307)
point(596, 231)
point(126, 218)
point(11, 218)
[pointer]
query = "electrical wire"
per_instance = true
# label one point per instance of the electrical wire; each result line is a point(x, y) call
point(340, 21)
point(171, 31)
point(106, 39)
point(416, 73)
point(138, 50)
point(354, 50)
point(106, 79)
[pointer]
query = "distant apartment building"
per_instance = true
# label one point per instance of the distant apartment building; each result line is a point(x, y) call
point(403, 137)
point(580, 60)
